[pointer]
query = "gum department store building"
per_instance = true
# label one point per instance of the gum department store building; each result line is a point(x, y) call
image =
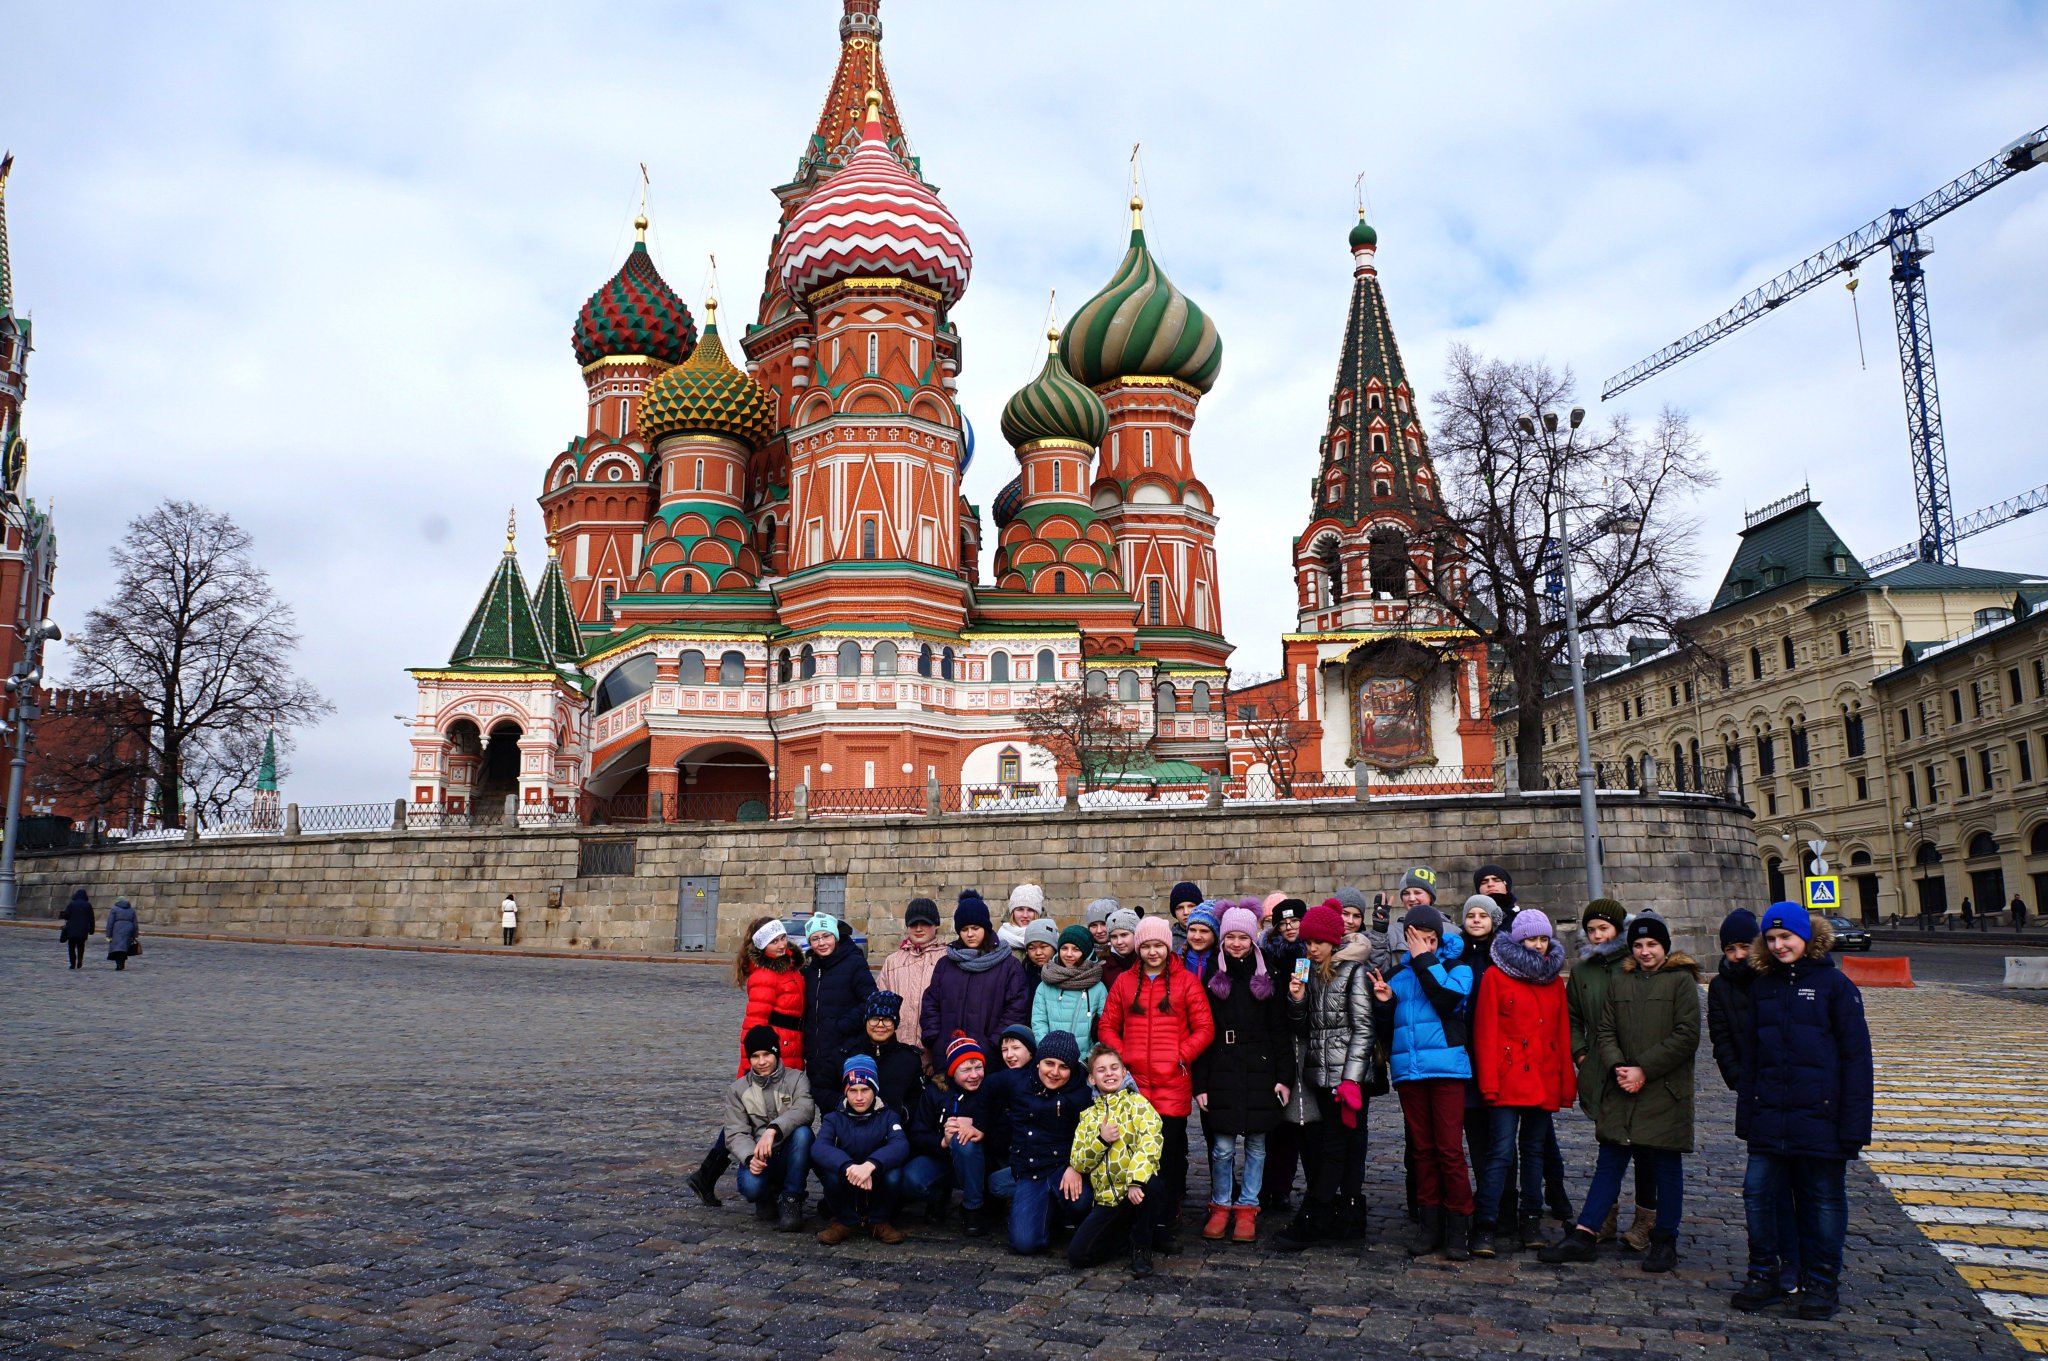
point(763, 571)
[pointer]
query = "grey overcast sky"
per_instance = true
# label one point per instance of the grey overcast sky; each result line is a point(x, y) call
point(315, 265)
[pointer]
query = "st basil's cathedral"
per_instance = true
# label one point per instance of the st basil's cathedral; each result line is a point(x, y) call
point(763, 572)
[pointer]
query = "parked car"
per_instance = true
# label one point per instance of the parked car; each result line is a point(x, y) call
point(795, 927)
point(1848, 935)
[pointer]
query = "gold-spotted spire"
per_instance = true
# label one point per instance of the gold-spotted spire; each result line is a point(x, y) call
point(511, 528)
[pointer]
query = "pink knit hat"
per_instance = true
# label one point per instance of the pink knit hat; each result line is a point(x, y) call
point(1240, 918)
point(1154, 928)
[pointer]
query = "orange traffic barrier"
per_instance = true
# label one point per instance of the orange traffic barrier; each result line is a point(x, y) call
point(1881, 972)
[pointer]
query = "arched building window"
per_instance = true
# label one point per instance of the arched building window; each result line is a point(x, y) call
point(849, 658)
point(1048, 666)
point(690, 668)
point(807, 662)
point(999, 668)
point(1388, 561)
point(1127, 685)
point(732, 668)
point(1163, 698)
point(1200, 698)
point(885, 658)
point(946, 664)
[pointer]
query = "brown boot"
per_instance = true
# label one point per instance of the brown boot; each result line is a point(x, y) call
point(1606, 1234)
point(1218, 1223)
point(1245, 1228)
point(1639, 1225)
point(888, 1233)
point(835, 1233)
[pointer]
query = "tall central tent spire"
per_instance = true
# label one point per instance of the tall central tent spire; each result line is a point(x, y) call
point(6, 269)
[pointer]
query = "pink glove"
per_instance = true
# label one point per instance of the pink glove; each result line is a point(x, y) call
point(1349, 1100)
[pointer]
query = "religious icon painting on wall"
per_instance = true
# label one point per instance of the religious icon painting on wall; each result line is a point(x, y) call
point(1390, 721)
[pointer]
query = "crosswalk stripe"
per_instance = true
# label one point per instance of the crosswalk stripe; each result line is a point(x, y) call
point(2007, 1281)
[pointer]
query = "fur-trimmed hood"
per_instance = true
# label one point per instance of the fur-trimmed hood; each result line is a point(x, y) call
point(1763, 961)
point(1677, 959)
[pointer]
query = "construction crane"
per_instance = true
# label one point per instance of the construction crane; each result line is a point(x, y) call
point(1899, 232)
point(1991, 517)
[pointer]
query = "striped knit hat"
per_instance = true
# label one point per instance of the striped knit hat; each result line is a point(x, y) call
point(963, 1047)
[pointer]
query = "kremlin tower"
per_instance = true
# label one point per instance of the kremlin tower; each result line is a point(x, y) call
point(763, 570)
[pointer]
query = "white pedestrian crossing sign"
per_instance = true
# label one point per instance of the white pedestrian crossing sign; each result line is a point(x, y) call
point(1823, 893)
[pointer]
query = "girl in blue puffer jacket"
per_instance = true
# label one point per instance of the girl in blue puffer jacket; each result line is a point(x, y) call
point(1423, 1003)
point(1804, 1103)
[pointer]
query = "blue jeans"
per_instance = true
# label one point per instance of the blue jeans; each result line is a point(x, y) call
point(850, 1205)
point(787, 1169)
point(1222, 1163)
point(1665, 1169)
point(964, 1165)
point(1513, 1130)
point(1035, 1201)
point(1798, 1211)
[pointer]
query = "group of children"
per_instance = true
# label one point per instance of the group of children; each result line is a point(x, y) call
point(1053, 1072)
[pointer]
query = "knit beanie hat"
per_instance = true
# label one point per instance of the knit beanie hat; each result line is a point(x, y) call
point(1076, 936)
point(1324, 922)
point(1739, 928)
point(1650, 926)
point(1186, 891)
point(1207, 913)
point(1239, 918)
point(1154, 928)
point(1123, 919)
point(1018, 1032)
point(1529, 922)
point(1480, 875)
point(882, 1006)
point(972, 911)
point(762, 1039)
point(771, 931)
point(861, 1068)
point(921, 912)
point(1062, 1046)
point(1604, 910)
point(1045, 931)
point(821, 924)
point(1294, 908)
point(1423, 917)
point(1784, 916)
point(1028, 895)
point(1099, 910)
point(1272, 900)
point(1354, 898)
point(963, 1047)
point(1485, 903)
point(1422, 877)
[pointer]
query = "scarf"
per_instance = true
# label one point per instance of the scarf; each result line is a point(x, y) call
point(1253, 966)
point(1518, 961)
point(1200, 963)
point(1588, 952)
point(1075, 978)
point(979, 961)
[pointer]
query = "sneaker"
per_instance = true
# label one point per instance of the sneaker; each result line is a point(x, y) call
point(835, 1233)
point(1577, 1246)
point(886, 1232)
point(790, 1214)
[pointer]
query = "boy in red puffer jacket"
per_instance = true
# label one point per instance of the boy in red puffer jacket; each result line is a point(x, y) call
point(1157, 1018)
point(1522, 1039)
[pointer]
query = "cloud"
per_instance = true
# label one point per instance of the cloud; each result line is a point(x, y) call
point(316, 266)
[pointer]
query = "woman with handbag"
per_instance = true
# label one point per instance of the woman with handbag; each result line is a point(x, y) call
point(123, 934)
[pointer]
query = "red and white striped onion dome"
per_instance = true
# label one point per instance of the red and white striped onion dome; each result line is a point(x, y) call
point(874, 219)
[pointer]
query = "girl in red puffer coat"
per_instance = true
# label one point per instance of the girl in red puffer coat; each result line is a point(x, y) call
point(771, 971)
point(1522, 1041)
point(1157, 1018)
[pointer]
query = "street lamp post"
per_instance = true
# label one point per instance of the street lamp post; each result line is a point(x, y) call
point(28, 673)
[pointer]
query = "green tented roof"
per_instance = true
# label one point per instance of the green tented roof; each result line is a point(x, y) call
point(1797, 546)
point(558, 625)
point(503, 630)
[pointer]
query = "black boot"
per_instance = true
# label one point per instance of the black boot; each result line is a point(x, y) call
point(1580, 1245)
point(704, 1181)
point(1663, 1253)
point(1166, 1237)
point(974, 1223)
point(938, 1205)
point(790, 1214)
point(1484, 1246)
point(1760, 1291)
point(1349, 1223)
point(764, 1208)
point(1141, 1256)
point(1458, 1238)
point(1310, 1225)
point(1429, 1230)
point(1819, 1296)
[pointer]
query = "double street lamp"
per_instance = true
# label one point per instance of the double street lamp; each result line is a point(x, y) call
point(28, 674)
point(1613, 521)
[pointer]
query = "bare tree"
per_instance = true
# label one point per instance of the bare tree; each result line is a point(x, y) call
point(1505, 472)
point(1086, 733)
point(194, 627)
point(1262, 710)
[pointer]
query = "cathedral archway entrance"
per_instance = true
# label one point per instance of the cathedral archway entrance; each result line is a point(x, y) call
point(722, 782)
point(498, 775)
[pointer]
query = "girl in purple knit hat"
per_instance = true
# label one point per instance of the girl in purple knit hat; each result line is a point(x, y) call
point(1243, 1080)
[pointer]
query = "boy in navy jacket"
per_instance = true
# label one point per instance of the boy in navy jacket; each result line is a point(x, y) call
point(857, 1149)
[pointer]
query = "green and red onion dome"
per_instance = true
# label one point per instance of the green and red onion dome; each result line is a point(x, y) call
point(707, 395)
point(872, 218)
point(1363, 235)
point(1008, 501)
point(637, 313)
point(1141, 326)
point(1054, 405)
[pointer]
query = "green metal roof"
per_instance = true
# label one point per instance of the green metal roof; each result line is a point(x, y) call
point(1793, 547)
point(558, 626)
point(503, 630)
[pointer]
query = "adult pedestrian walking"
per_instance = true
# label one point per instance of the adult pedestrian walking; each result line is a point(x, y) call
point(123, 933)
point(2019, 913)
point(508, 918)
point(78, 927)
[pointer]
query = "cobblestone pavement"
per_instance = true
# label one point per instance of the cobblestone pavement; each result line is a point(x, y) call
point(1963, 1144)
point(240, 1151)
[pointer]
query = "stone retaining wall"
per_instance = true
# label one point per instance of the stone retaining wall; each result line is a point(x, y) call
point(1688, 857)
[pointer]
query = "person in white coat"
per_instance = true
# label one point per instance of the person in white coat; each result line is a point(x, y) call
point(508, 917)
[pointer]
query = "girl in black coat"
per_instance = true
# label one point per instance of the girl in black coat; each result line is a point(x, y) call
point(837, 982)
point(78, 927)
point(1244, 1078)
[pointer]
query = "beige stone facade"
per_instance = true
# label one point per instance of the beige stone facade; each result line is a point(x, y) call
point(1687, 856)
point(1778, 694)
point(1966, 741)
